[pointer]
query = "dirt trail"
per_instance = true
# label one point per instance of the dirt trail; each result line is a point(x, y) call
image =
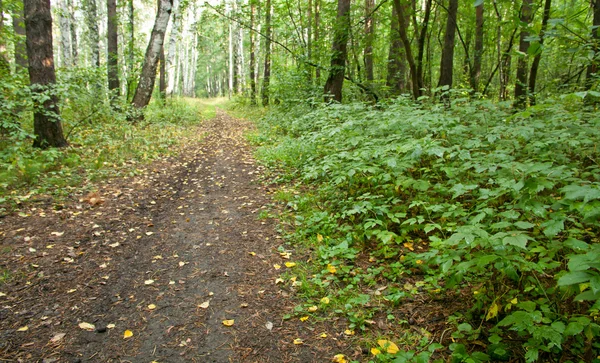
point(144, 254)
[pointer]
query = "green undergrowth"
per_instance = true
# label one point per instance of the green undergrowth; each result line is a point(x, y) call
point(487, 215)
point(102, 142)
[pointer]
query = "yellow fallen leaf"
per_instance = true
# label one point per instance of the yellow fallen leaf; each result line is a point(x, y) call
point(50, 247)
point(204, 305)
point(339, 358)
point(493, 312)
point(304, 318)
point(127, 334)
point(290, 264)
point(325, 300)
point(228, 322)
point(349, 332)
point(181, 263)
point(298, 341)
point(319, 238)
point(331, 268)
point(58, 337)
point(149, 282)
point(71, 291)
point(157, 257)
point(419, 262)
point(151, 307)
point(312, 309)
point(87, 326)
point(110, 326)
point(276, 266)
point(389, 347)
point(323, 335)
point(409, 245)
point(252, 253)
point(278, 281)
point(285, 255)
point(23, 328)
point(375, 351)
point(514, 301)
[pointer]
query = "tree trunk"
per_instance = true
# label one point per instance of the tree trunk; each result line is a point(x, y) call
point(4, 64)
point(317, 34)
point(369, 34)
point(143, 92)
point(478, 51)
point(309, 35)
point(19, 29)
point(73, 33)
point(47, 126)
point(267, 70)
point(171, 55)
point(536, 60)
point(592, 69)
point(65, 35)
point(112, 61)
point(162, 82)
point(403, 26)
point(91, 19)
point(131, 50)
point(521, 90)
point(421, 44)
point(447, 62)
point(252, 55)
point(396, 67)
point(339, 53)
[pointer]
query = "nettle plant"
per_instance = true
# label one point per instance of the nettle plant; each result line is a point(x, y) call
point(503, 208)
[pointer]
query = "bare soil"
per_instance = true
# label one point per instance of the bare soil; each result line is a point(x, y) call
point(145, 254)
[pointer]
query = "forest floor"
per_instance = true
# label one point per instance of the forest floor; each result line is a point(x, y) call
point(154, 268)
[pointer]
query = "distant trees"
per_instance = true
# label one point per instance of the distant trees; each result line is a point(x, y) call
point(339, 52)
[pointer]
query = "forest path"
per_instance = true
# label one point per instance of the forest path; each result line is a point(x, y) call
point(167, 255)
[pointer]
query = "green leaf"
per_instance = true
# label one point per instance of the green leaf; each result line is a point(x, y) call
point(573, 278)
point(515, 239)
point(573, 328)
point(553, 227)
point(477, 3)
point(524, 225)
point(587, 296)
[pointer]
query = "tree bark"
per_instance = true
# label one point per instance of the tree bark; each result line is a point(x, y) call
point(592, 69)
point(369, 34)
point(478, 51)
point(339, 53)
point(421, 44)
point(143, 92)
point(521, 89)
point(447, 62)
point(162, 82)
point(171, 55)
point(267, 69)
point(396, 67)
point(73, 33)
point(65, 35)
point(317, 34)
point(47, 126)
point(112, 61)
point(403, 26)
point(536, 60)
point(252, 55)
point(131, 49)
point(309, 35)
point(4, 64)
point(91, 19)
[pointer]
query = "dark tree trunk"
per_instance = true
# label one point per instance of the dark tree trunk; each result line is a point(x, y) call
point(252, 54)
point(47, 126)
point(143, 92)
point(421, 43)
point(91, 18)
point(521, 81)
point(20, 49)
point(369, 34)
point(592, 70)
point(416, 83)
point(162, 81)
point(478, 51)
point(536, 60)
point(112, 62)
point(267, 70)
point(396, 67)
point(447, 62)
point(339, 53)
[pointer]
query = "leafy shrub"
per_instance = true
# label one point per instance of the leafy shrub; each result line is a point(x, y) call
point(504, 207)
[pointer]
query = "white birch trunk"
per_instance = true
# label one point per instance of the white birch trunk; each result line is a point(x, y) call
point(65, 34)
point(171, 62)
